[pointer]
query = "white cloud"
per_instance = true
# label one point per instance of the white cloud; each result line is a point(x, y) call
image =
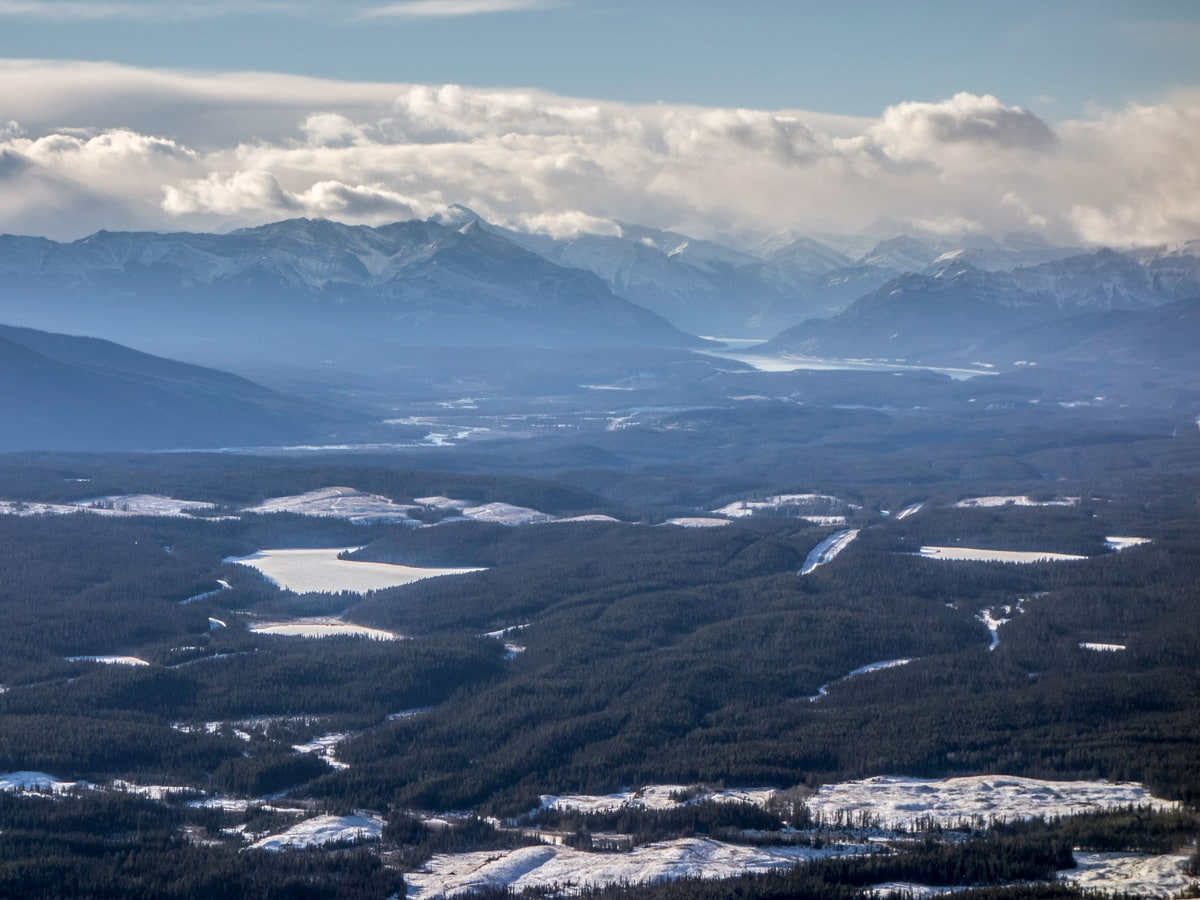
point(414, 9)
point(100, 145)
point(92, 11)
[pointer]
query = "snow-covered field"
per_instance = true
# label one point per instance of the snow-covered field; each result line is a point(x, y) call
point(828, 549)
point(698, 522)
point(546, 866)
point(322, 628)
point(341, 503)
point(1135, 873)
point(325, 747)
point(993, 502)
point(306, 571)
point(820, 509)
point(322, 830)
point(110, 660)
point(1010, 556)
point(117, 505)
point(505, 514)
point(655, 796)
point(1101, 648)
point(904, 803)
point(1118, 543)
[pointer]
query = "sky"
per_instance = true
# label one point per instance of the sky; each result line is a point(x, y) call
point(1076, 121)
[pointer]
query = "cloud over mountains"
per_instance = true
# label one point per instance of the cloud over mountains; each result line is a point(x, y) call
point(91, 145)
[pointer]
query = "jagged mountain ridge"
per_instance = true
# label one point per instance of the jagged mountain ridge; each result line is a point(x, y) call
point(959, 313)
point(409, 282)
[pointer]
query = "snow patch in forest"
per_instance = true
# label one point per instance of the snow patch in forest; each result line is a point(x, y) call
point(322, 571)
point(829, 548)
point(697, 522)
point(110, 660)
point(340, 503)
point(861, 670)
point(1137, 873)
point(1118, 543)
point(565, 868)
point(1101, 648)
point(323, 628)
point(34, 781)
point(325, 747)
point(910, 510)
point(993, 502)
point(117, 506)
point(820, 509)
point(975, 554)
point(909, 803)
point(322, 830)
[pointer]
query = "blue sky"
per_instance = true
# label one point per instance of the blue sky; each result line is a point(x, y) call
point(1078, 121)
point(851, 58)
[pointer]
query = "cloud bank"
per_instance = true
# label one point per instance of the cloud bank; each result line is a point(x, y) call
point(85, 146)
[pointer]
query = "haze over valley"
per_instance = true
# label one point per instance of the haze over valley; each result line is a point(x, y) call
point(663, 479)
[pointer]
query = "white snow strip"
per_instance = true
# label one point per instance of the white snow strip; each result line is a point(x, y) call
point(590, 518)
point(565, 868)
point(1135, 873)
point(861, 670)
point(341, 503)
point(909, 511)
point(697, 522)
point(992, 502)
point(1009, 556)
point(828, 549)
point(323, 628)
point(110, 660)
point(305, 571)
point(1102, 648)
point(443, 503)
point(905, 802)
point(322, 830)
point(1118, 543)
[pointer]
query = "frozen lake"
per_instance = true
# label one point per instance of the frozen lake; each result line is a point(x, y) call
point(321, 571)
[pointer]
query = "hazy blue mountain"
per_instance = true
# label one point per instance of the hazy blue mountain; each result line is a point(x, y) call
point(409, 282)
point(59, 392)
point(957, 312)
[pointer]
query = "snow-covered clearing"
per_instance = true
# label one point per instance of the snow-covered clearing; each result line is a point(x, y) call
point(910, 510)
point(820, 509)
point(861, 670)
point(826, 550)
point(1115, 542)
point(110, 660)
point(975, 554)
point(655, 796)
point(323, 628)
point(993, 502)
point(1101, 648)
point(505, 514)
point(321, 571)
point(322, 830)
point(341, 503)
point(698, 522)
point(117, 505)
point(325, 747)
point(547, 866)
point(993, 621)
point(1135, 873)
point(34, 781)
point(908, 803)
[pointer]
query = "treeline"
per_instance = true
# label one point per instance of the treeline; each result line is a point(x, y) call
point(727, 821)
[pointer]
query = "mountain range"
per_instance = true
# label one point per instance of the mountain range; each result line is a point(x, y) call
point(313, 291)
